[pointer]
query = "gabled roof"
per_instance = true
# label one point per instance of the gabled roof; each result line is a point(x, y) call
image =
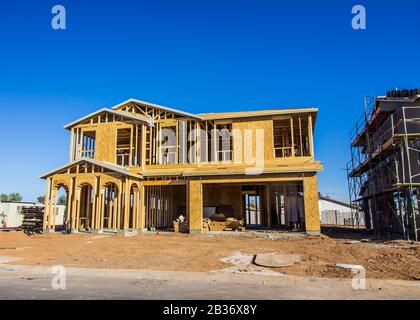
point(202, 117)
point(109, 166)
point(220, 115)
point(124, 114)
point(153, 105)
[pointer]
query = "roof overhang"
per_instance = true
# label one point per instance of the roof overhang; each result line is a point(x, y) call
point(219, 115)
point(105, 165)
point(153, 105)
point(258, 113)
point(131, 116)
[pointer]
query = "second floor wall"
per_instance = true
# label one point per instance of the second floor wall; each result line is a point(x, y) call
point(174, 140)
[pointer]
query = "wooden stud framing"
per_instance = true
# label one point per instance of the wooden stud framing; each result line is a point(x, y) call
point(150, 204)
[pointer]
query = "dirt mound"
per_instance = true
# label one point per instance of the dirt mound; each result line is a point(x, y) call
point(319, 254)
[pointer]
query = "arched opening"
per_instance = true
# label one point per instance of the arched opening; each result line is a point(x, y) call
point(110, 209)
point(60, 208)
point(133, 216)
point(85, 207)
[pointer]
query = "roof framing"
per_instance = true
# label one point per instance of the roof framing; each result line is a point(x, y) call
point(219, 115)
point(105, 165)
point(157, 106)
point(124, 114)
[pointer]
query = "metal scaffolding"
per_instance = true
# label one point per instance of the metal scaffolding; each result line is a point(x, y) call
point(384, 170)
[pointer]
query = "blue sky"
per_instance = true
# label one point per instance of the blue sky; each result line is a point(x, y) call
point(199, 56)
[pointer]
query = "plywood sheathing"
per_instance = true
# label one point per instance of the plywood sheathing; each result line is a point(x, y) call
point(310, 189)
point(106, 137)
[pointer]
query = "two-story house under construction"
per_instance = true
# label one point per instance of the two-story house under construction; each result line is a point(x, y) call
point(138, 166)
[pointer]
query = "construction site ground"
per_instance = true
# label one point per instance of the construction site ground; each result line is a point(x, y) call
point(397, 259)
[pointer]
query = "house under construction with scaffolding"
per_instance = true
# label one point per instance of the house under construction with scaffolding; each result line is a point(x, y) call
point(384, 171)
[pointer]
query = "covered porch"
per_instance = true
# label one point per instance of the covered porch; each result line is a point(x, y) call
point(100, 197)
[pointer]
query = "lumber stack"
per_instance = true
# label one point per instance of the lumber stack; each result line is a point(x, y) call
point(219, 222)
point(33, 219)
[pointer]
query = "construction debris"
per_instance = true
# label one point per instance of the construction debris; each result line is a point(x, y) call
point(275, 260)
point(349, 266)
point(243, 264)
point(33, 220)
point(352, 242)
point(219, 222)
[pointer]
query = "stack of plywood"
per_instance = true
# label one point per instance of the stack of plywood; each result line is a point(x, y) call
point(33, 219)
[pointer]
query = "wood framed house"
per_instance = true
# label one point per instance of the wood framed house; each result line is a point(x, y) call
point(139, 166)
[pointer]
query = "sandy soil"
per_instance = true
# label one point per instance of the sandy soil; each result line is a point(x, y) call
point(382, 260)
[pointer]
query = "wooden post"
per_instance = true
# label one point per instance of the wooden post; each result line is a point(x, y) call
point(142, 207)
point(310, 134)
point(47, 201)
point(78, 206)
point(51, 207)
point(94, 209)
point(292, 131)
point(101, 211)
point(268, 206)
point(119, 207)
point(71, 144)
point(74, 204)
point(88, 198)
point(54, 210)
point(310, 190)
point(195, 206)
point(127, 204)
point(198, 142)
point(130, 161)
point(143, 147)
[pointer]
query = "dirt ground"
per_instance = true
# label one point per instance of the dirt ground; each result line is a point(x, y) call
point(178, 252)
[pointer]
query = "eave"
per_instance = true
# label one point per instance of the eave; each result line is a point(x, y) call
point(131, 116)
point(105, 165)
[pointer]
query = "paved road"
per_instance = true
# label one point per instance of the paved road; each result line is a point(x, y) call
point(24, 282)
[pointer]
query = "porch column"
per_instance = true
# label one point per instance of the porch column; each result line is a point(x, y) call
point(101, 204)
point(136, 210)
point(69, 204)
point(268, 206)
point(95, 204)
point(47, 203)
point(54, 209)
point(310, 190)
point(78, 205)
point(142, 209)
point(74, 205)
point(111, 208)
point(127, 204)
point(119, 207)
point(195, 206)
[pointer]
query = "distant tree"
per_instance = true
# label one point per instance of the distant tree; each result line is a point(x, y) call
point(15, 197)
point(62, 200)
point(4, 197)
point(41, 199)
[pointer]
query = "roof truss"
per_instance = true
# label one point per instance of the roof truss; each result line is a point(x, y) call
point(115, 116)
point(86, 165)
